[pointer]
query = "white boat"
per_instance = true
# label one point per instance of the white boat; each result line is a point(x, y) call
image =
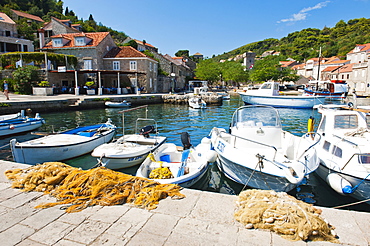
point(268, 94)
point(256, 152)
point(225, 95)
point(197, 103)
point(130, 149)
point(331, 89)
point(122, 104)
point(63, 145)
point(184, 167)
point(16, 124)
point(344, 150)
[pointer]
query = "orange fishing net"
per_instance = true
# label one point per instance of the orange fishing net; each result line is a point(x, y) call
point(83, 188)
point(277, 211)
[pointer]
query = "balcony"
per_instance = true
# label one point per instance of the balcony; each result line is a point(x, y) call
point(360, 65)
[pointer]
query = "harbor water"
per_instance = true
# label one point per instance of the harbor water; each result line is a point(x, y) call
point(172, 120)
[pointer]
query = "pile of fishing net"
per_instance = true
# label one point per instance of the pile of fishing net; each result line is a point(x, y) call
point(83, 188)
point(161, 173)
point(283, 214)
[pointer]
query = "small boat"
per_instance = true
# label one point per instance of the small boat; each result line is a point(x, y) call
point(331, 89)
point(10, 116)
point(225, 95)
point(256, 152)
point(197, 103)
point(64, 145)
point(17, 123)
point(122, 104)
point(130, 149)
point(268, 94)
point(344, 150)
point(171, 164)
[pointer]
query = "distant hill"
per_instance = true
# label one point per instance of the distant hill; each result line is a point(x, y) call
point(304, 44)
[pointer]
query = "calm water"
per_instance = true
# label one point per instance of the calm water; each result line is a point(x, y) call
point(172, 120)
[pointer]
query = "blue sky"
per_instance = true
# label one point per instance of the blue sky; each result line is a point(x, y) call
point(212, 27)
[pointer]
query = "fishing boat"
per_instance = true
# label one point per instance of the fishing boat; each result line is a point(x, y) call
point(63, 145)
point(331, 89)
point(268, 94)
point(344, 150)
point(258, 153)
point(17, 123)
point(122, 104)
point(197, 103)
point(171, 164)
point(130, 149)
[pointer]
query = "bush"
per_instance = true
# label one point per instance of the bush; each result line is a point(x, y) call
point(44, 83)
point(25, 78)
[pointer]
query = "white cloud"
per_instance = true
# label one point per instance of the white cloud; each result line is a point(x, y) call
point(301, 15)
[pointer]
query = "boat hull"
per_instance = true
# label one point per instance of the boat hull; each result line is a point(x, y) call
point(10, 129)
point(40, 153)
point(283, 101)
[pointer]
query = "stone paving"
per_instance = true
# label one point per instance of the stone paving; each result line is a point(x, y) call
point(202, 218)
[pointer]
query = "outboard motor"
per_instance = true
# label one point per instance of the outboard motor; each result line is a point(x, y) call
point(146, 130)
point(185, 140)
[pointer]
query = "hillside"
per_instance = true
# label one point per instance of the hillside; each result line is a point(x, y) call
point(300, 45)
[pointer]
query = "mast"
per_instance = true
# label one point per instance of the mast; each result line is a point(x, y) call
point(318, 70)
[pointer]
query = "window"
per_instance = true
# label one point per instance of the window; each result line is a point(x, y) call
point(337, 151)
point(133, 65)
point(345, 122)
point(326, 145)
point(116, 65)
point(87, 64)
point(150, 66)
point(57, 42)
point(80, 41)
point(151, 83)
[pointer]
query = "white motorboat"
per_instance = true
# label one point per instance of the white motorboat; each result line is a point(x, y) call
point(122, 104)
point(17, 123)
point(64, 145)
point(268, 94)
point(257, 152)
point(10, 116)
point(130, 149)
point(197, 103)
point(170, 164)
point(344, 150)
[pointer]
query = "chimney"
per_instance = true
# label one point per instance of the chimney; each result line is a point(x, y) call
point(41, 38)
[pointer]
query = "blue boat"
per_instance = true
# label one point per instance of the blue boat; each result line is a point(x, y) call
point(20, 124)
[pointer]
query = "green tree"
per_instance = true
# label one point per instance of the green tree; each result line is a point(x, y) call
point(233, 71)
point(25, 78)
point(208, 70)
point(182, 53)
point(131, 43)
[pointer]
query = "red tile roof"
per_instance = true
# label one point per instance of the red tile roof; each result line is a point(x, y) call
point(28, 16)
point(330, 69)
point(125, 51)
point(142, 43)
point(362, 47)
point(337, 62)
point(96, 39)
point(6, 19)
point(346, 68)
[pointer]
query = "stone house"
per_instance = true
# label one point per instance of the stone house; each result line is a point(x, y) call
point(137, 69)
point(360, 74)
point(10, 41)
point(56, 27)
point(17, 15)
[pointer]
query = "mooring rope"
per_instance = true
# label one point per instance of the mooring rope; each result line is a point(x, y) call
point(350, 204)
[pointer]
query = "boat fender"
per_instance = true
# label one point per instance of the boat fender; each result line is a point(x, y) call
point(11, 127)
point(339, 184)
point(185, 140)
point(310, 124)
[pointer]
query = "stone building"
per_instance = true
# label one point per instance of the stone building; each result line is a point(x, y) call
point(10, 41)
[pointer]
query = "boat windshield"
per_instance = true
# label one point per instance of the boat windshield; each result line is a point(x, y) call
point(256, 116)
point(346, 121)
point(364, 159)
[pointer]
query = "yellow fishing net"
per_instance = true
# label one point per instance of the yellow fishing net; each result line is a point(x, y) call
point(83, 188)
point(283, 214)
point(161, 173)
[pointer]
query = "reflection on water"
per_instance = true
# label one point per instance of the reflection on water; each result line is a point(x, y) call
point(172, 120)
